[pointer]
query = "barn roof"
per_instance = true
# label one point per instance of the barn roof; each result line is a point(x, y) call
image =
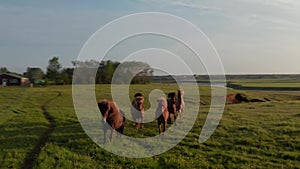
point(12, 75)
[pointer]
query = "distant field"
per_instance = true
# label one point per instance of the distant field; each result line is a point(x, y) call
point(250, 135)
point(268, 84)
point(265, 84)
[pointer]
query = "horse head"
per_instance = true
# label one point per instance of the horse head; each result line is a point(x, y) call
point(106, 108)
point(139, 103)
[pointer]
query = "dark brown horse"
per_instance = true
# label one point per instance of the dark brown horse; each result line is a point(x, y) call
point(113, 118)
point(138, 110)
point(172, 106)
point(162, 114)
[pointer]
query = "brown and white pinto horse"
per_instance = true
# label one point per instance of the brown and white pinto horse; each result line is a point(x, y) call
point(180, 103)
point(162, 114)
point(138, 110)
point(112, 118)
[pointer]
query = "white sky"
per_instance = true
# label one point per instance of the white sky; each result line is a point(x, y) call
point(251, 36)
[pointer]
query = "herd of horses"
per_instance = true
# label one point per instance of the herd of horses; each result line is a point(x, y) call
point(113, 118)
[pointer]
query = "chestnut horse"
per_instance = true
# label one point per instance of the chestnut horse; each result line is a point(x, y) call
point(162, 114)
point(137, 110)
point(112, 118)
point(180, 103)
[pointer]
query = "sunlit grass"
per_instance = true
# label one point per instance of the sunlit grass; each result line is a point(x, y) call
point(250, 135)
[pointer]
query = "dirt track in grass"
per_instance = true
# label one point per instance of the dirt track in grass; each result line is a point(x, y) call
point(33, 155)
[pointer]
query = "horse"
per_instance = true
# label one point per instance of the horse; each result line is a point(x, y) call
point(172, 106)
point(180, 103)
point(112, 118)
point(162, 114)
point(138, 110)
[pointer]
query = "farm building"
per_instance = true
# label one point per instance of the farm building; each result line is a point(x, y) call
point(8, 79)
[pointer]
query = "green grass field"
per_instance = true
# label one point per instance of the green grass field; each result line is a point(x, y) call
point(250, 135)
point(268, 83)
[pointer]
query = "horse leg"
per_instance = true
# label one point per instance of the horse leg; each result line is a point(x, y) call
point(175, 117)
point(180, 114)
point(142, 122)
point(137, 123)
point(120, 131)
point(169, 119)
point(164, 127)
point(158, 125)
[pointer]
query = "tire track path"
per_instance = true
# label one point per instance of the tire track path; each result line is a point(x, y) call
point(32, 156)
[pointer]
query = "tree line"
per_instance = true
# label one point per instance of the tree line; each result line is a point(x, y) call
point(57, 75)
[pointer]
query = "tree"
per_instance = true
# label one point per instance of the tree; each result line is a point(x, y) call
point(141, 71)
point(109, 71)
point(67, 75)
point(3, 70)
point(85, 71)
point(34, 74)
point(106, 70)
point(53, 70)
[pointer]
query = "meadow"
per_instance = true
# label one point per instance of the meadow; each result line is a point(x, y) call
point(40, 129)
point(278, 84)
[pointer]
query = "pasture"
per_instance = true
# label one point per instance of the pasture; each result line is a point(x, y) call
point(278, 84)
point(40, 129)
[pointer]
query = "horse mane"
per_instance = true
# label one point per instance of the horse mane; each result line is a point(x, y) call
point(138, 95)
point(179, 99)
point(109, 105)
point(179, 96)
point(164, 105)
point(171, 95)
point(163, 101)
point(114, 106)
